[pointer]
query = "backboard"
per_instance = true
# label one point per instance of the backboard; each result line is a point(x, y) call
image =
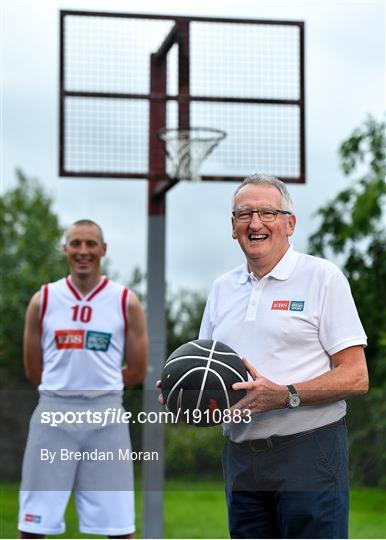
point(123, 77)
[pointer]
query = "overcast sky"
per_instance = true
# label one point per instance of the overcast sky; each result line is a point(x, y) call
point(344, 83)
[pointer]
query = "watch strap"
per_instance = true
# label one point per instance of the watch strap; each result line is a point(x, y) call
point(292, 389)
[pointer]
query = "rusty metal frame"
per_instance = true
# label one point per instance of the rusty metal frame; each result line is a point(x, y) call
point(179, 34)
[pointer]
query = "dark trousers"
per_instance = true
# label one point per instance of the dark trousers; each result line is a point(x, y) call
point(297, 489)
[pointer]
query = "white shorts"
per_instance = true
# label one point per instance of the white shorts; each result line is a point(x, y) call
point(82, 457)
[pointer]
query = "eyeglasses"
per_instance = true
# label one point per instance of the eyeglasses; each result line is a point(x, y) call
point(245, 215)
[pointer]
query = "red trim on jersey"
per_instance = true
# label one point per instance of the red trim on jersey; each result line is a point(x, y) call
point(101, 286)
point(72, 289)
point(44, 307)
point(124, 308)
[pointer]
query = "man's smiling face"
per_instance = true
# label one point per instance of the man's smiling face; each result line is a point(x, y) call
point(264, 243)
point(84, 249)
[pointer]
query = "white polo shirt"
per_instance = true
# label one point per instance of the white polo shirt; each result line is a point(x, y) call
point(287, 324)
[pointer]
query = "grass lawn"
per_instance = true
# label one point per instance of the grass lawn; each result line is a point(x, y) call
point(200, 512)
point(368, 514)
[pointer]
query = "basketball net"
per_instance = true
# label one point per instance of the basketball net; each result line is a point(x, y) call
point(187, 149)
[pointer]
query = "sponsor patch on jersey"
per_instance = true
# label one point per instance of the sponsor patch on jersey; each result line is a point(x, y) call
point(297, 305)
point(97, 341)
point(31, 518)
point(280, 305)
point(285, 305)
point(69, 339)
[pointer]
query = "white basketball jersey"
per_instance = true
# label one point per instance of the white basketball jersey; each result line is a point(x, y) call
point(83, 338)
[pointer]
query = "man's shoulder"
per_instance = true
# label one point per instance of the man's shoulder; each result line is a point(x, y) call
point(57, 283)
point(117, 286)
point(318, 264)
point(230, 277)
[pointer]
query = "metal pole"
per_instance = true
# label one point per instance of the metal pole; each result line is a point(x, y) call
point(153, 434)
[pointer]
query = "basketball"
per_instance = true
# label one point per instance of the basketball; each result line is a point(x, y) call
point(197, 381)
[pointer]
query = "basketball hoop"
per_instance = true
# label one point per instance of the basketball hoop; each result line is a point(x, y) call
point(187, 149)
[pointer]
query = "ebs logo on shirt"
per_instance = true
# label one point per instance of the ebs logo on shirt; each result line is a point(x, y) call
point(79, 339)
point(285, 305)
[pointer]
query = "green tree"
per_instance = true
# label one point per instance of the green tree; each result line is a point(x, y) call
point(30, 255)
point(184, 313)
point(353, 228)
point(184, 310)
point(137, 283)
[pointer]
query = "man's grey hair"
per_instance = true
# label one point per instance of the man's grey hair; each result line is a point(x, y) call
point(83, 222)
point(266, 180)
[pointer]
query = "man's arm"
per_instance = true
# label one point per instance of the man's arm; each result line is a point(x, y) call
point(348, 378)
point(33, 358)
point(136, 343)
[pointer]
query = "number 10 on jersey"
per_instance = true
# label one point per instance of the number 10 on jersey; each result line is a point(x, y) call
point(81, 313)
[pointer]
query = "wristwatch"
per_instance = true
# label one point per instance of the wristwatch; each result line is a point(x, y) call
point(293, 399)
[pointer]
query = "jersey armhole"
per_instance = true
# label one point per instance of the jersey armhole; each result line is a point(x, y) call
point(125, 297)
point(43, 306)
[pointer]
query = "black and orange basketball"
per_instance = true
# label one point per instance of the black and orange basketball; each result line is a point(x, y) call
point(197, 381)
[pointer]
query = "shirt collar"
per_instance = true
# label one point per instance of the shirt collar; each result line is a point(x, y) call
point(281, 271)
point(245, 274)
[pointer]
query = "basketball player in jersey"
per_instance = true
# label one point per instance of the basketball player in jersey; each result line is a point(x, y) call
point(78, 332)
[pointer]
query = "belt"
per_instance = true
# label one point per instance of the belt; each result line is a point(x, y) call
point(259, 445)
